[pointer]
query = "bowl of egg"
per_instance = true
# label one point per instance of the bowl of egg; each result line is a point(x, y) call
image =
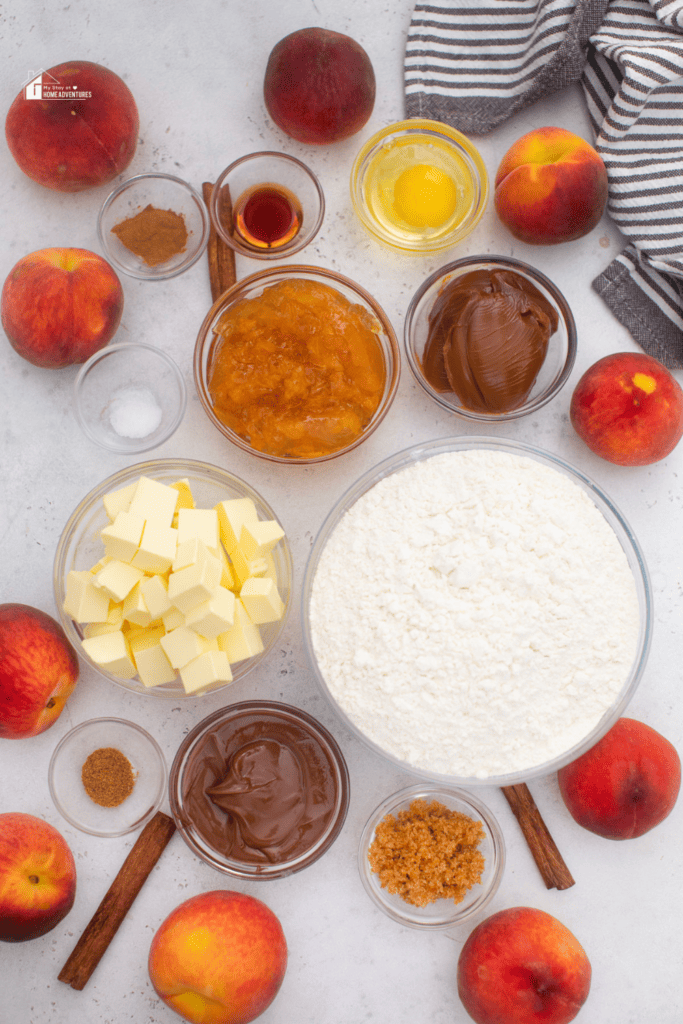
point(419, 186)
point(172, 578)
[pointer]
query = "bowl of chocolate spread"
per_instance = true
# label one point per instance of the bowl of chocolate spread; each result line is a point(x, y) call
point(490, 338)
point(259, 789)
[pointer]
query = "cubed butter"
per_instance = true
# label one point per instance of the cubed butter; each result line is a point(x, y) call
point(209, 669)
point(117, 579)
point(186, 498)
point(257, 539)
point(187, 553)
point(260, 597)
point(172, 618)
point(243, 639)
point(181, 645)
point(110, 652)
point(154, 500)
point(153, 666)
point(213, 616)
point(243, 567)
point(97, 628)
point(157, 548)
point(119, 500)
point(134, 608)
point(154, 589)
point(201, 523)
point(233, 513)
point(84, 601)
point(122, 537)
point(195, 583)
point(140, 639)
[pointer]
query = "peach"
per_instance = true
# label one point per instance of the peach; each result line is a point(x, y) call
point(38, 671)
point(626, 784)
point(37, 877)
point(218, 958)
point(71, 144)
point(59, 306)
point(523, 966)
point(628, 409)
point(319, 86)
point(551, 186)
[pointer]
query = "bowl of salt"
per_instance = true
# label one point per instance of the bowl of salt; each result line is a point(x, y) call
point(130, 397)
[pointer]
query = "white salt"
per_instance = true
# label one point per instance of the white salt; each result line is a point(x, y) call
point(134, 412)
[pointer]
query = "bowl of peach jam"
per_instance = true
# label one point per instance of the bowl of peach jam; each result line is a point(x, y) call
point(296, 364)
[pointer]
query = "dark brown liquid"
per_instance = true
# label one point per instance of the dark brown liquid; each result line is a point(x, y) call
point(267, 216)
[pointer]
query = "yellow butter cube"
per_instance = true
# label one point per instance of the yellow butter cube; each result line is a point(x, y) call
point(117, 579)
point(172, 618)
point(213, 616)
point(244, 567)
point(201, 523)
point(140, 639)
point(122, 537)
point(154, 500)
point(119, 500)
point(154, 589)
point(209, 669)
point(153, 666)
point(187, 553)
point(157, 548)
point(232, 515)
point(257, 539)
point(181, 645)
point(260, 597)
point(195, 583)
point(110, 652)
point(134, 608)
point(84, 601)
point(97, 628)
point(243, 639)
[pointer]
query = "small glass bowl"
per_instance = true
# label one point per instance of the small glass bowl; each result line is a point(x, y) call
point(624, 535)
point(559, 360)
point(254, 285)
point(267, 168)
point(69, 794)
point(164, 192)
point(441, 913)
point(80, 547)
point(396, 148)
point(130, 397)
point(258, 719)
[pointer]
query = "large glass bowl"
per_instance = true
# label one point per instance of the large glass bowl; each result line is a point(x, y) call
point(559, 359)
point(614, 519)
point(80, 547)
point(253, 286)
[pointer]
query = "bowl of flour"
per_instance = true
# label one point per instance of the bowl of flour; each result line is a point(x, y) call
point(477, 611)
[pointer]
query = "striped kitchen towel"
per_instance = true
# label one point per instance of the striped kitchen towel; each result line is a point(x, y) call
point(473, 63)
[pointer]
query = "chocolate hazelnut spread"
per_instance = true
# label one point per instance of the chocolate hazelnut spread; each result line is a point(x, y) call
point(487, 340)
point(259, 787)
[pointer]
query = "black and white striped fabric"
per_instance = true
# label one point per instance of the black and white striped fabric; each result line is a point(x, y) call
point(473, 63)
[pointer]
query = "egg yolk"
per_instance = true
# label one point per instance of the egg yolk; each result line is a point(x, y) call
point(425, 196)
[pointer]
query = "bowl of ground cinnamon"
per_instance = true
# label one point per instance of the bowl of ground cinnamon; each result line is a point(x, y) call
point(107, 776)
point(153, 226)
point(431, 857)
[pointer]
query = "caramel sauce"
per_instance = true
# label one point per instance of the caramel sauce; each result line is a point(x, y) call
point(298, 371)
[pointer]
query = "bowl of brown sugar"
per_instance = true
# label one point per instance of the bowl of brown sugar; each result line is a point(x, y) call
point(107, 776)
point(153, 226)
point(431, 857)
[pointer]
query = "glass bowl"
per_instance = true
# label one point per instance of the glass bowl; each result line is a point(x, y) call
point(416, 710)
point(69, 793)
point(130, 397)
point(251, 287)
point(285, 207)
point(559, 359)
point(163, 192)
point(441, 913)
point(395, 150)
point(304, 834)
point(80, 547)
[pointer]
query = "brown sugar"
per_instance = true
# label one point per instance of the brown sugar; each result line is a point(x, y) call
point(427, 852)
point(107, 776)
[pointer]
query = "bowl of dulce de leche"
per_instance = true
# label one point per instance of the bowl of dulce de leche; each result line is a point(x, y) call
point(489, 338)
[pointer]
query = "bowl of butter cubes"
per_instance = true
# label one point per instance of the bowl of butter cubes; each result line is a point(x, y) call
point(173, 578)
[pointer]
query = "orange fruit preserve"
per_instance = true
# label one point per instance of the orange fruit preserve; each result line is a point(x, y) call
point(298, 371)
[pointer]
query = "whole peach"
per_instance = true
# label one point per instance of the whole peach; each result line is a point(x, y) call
point(74, 144)
point(218, 958)
point(37, 877)
point(319, 86)
point(628, 409)
point(550, 187)
point(523, 966)
point(626, 784)
point(59, 306)
point(38, 671)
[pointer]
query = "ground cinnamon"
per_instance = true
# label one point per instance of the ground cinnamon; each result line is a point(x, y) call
point(152, 234)
point(108, 776)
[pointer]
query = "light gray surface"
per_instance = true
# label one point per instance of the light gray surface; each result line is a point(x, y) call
point(197, 78)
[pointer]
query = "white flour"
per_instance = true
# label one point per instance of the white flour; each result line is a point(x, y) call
point(474, 614)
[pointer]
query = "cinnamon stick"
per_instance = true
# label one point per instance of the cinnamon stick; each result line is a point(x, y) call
point(105, 922)
point(220, 256)
point(549, 860)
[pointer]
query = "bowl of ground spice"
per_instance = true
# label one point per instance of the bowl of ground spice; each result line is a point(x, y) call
point(431, 856)
point(107, 776)
point(153, 226)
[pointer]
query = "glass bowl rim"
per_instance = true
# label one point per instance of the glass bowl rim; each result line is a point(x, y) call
point(267, 254)
point(264, 277)
point(118, 479)
point(112, 349)
point(623, 532)
point(322, 734)
point(433, 791)
point(154, 748)
point(153, 274)
point(526, 269)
